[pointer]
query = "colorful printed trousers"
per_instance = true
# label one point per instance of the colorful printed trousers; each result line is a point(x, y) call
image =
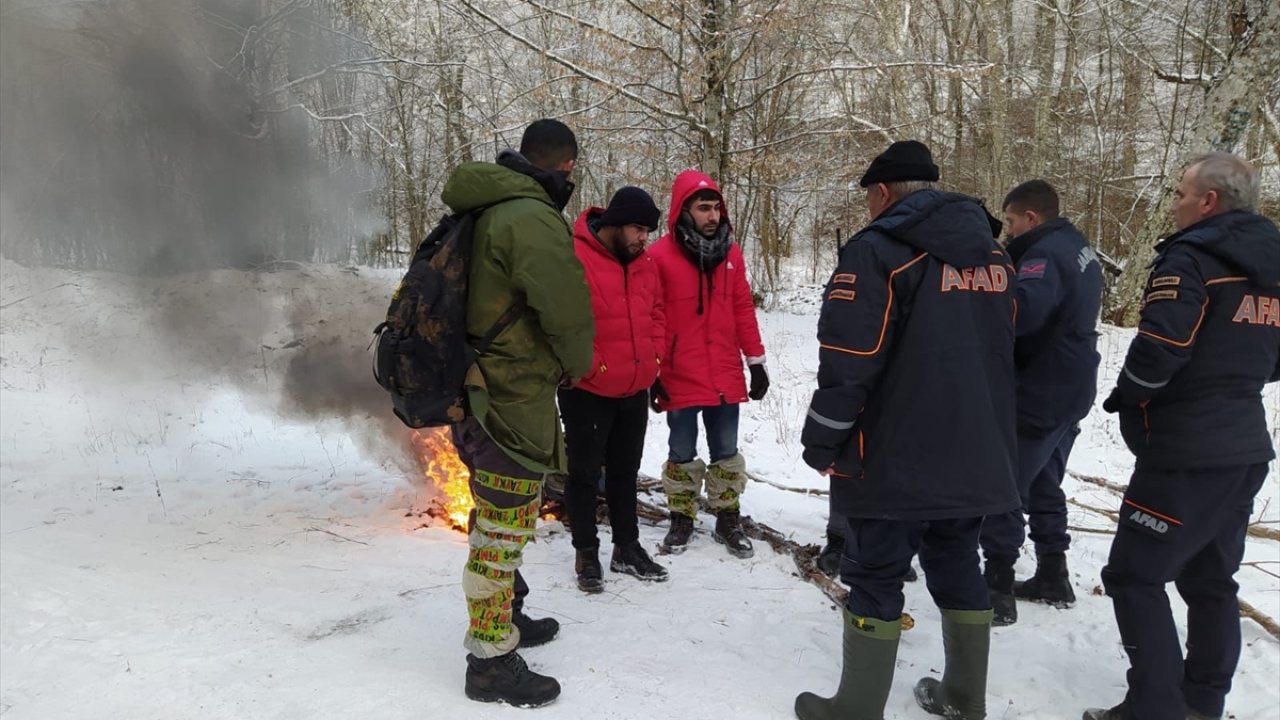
point(508, 498)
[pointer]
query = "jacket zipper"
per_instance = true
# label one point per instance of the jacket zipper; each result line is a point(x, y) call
point(635, 349)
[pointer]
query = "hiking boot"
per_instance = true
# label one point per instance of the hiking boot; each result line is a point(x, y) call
point(962, 692)
point(829, 559)
point(534, 632)
point(633, 560)
point(590, 574)
point(999, 576)
point(1050, 585)
point(1115, 713)
point(911, 575)
point(508, 679)
point(677, 539)
point(729, 533)
point(870, 652)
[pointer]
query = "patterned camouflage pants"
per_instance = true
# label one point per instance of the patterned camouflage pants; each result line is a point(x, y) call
point(507, 497)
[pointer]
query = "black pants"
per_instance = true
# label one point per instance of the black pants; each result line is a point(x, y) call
point(1187, 527)
point(1042, 462)
point(877, 555)
point(609, 432)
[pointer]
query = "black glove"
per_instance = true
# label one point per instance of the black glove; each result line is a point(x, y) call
point(1114, 402)
point(759, 382)
point(657, 393)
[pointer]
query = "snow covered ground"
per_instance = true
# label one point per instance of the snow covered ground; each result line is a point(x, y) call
point(183, 534)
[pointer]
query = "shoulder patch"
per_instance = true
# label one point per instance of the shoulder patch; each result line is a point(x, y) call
point(840, 294)
point(1161, 295)
point(1166, 280)
point(844, 279)
point(1033, 269)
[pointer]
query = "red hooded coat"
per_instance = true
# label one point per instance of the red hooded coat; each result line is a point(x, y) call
point(627, 303)
point(702, 352)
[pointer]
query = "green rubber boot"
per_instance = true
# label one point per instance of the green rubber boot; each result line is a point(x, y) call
point(870, 651)
point(962, 692)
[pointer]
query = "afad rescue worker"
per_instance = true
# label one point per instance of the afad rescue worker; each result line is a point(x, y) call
point(1059, 293)
point(607, 413)
point(711, 328)
point(914, 412)
point(1190, 404)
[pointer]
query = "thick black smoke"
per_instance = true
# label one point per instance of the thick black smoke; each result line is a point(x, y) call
point(176, 143)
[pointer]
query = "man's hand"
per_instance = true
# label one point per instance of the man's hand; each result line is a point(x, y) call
point(827, 472)
point(657, 393)
point(759, 382)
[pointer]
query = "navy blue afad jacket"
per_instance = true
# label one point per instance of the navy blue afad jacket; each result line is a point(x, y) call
point(1190, 392)
point(1059, 293)
point(915, 399)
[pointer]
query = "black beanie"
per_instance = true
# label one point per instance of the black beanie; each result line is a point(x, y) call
point(631, 206)
point(904, 160)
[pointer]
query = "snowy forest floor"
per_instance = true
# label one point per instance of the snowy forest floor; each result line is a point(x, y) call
point(197, 520)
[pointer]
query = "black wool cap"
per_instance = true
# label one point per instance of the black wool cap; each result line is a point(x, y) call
point(631, 206)
point(904, 160)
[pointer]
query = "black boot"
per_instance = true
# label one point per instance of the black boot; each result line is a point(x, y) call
point(729, 533)
point(508, 679)
point(1115, 713)
point(999, 577)
point(1050, 585)
point(534, 632)
point(633, 560)
point(911, 575)
point(590, 574)
point(962, 692)
point(829, 559)
point(677, 539)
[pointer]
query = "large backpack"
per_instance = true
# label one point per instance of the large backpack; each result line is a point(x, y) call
point(422, 353)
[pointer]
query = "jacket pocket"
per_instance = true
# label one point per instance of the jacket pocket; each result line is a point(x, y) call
point(671, 356)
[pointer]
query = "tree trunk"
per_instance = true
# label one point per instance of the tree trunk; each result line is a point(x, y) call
point(1231, 103)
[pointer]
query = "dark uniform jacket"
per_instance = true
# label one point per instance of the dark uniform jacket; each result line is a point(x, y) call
point(915, 399)
point(1059, 293)
point(1190, 393)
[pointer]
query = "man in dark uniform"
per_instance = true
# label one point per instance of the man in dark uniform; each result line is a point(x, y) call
point(1059, 291)
point(1190, 404)
point(914, 412)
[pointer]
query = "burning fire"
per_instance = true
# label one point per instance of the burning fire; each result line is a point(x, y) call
point(442, 466)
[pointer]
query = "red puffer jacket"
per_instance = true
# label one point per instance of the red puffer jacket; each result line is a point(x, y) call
point(703, 351)
point(627, 303)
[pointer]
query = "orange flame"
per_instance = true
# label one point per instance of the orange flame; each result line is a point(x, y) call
point(446, 471)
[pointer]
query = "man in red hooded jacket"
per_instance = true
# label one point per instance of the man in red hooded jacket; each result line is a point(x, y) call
point(604, 414)
point(710, 326)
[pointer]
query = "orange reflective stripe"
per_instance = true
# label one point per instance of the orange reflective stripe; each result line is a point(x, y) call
point(884, 324)
point(1186, 343)
point(1151, 512)
point(1216, 281)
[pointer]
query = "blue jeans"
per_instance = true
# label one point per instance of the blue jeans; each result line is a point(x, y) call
point(721, 422)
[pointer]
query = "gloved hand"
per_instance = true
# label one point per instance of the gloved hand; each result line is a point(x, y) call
point(656, 393)
point(1114, 402)
point(759, 382)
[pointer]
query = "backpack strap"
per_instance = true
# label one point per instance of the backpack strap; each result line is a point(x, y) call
point(512, 314)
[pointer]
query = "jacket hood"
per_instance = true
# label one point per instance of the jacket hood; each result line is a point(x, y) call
point(686, 184)
point(954, 228)
point(477, 184)
point(1246, 241)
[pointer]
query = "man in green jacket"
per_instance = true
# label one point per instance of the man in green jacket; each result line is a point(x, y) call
point(522, 253)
